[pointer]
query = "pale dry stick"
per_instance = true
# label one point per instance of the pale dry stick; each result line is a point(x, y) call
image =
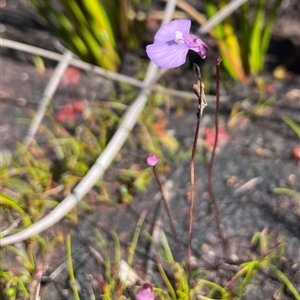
point(248, 185)
point(215, 20)
point(221, 15)
point(73, 62)
point(47, 96)
point(191, 11)
point(99, 71)
point(11, 227)
point(35, 286)
point(103, 161)
point(55, 273)
point(159, 14)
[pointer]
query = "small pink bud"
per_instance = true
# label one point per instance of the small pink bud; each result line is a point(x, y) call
point(145, 292)
point(152, 160)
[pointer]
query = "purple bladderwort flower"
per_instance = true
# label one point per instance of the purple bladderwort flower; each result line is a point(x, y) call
point(152, 160)
point(172, 42)
point(145, 292)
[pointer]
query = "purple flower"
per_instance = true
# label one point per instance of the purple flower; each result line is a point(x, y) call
point(146, 292)
point(152, 160)
point(172, 42)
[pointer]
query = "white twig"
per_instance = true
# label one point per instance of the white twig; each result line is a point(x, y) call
point(47, 96)
point(103, 161)
point(12, 226)
point(248, 185)
point(221, 15)
point(99, 71)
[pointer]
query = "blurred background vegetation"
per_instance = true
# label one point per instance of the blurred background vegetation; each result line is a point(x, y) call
point(96, 30)
point(243, 38)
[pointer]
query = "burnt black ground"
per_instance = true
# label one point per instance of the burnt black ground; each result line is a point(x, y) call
point(258, 149)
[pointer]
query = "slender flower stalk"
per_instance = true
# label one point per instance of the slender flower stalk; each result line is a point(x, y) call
point(211, 163)
point(152, 160)
point(199, 91)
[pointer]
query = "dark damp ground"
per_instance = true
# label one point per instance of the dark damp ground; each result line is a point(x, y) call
point(254, 160)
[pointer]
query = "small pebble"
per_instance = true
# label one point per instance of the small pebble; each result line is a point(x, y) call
point(21, 101)
point(24, 76)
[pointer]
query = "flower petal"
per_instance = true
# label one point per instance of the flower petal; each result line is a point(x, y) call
point(167, 32)
point(169, 55)
point(146, 292)
point(152, 160)
point(195, 44)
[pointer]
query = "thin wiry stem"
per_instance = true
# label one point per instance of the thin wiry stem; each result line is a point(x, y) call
point(211, 162)
point(199, 91)
point(167, 211)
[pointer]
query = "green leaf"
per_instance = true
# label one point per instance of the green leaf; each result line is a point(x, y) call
point(269, 27)
point(70, 268)
point(292, 124)
point(286, 281)
point(255, 57)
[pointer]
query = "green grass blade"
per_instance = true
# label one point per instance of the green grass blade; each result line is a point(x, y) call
point(70, 268)
point(99, 15)
point(214, 286)
point(6, 200)
point(136, 237)
point(228, 44)
point(105, 254)
point(285, 191)
point(211, 10)
point(286, 281)
point(22, 258)
point(256, 39)
point(166, 281)
point(292, 124)
point(166, 246)
point(62, 27)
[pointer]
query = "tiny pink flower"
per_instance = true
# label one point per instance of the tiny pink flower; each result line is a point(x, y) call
point(146, 292)
point(172, 43)
point(152, 160)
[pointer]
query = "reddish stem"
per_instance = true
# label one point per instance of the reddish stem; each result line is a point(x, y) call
point(211, 162)
point(201, 106)
point(168, 212)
